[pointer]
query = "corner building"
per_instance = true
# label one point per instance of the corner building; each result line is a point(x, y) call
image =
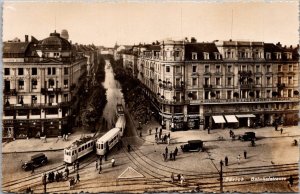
point(220, 84)
point(40, 78)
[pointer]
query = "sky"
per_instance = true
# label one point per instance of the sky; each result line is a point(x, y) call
point(105, 23)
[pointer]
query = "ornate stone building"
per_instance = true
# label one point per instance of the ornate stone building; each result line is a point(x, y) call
point(221, 83)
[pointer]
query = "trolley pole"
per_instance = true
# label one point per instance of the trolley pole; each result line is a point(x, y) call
point(221, 177)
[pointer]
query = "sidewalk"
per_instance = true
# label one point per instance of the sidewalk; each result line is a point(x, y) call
point(184, 136)
point(37, 145)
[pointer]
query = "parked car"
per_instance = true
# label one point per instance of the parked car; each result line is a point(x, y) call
point(37, 160)
point(192, 146)
point(248, 136)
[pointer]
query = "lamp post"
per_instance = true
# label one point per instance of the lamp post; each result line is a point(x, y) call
point(221, 177)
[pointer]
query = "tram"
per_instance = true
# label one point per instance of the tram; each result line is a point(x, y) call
point(78, 149)
point(108, 141)
point(121, 124)
point(120, 110)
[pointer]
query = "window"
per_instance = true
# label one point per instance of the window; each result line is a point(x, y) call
point(278, 55)
point(56, 55)
point(178, 70)
point(290, 80)
point(194, 56)
point(257, 68)
point(51, 83)
point(167, 68)
point(229, 68)
point(194, 68)
point(33, 84)
point(53, 71)
point(244, 68)
point(66, 98)
point(33, 99)
point(279, 67)
point(229, 93)
point(289, 55)
point(257, 80)
point(218, 81)
point(269, 81)
point(33, 71)
point(218, 95)
point(20, 71)
point(206, 81)
point(290, 67)
point(206, 55)
point(228, 54)
point(66, 83)
point(206, 68)
point(20, 100)
point(194, 81)
point(218, 69)
point(268, 94)
point(229, 83)
point(49, 70)
point(279, 80)
point(268, 55)
point(217, 56)
point(51, 98)
point(176, 53)
point(21, 84)
point(268, 68)
point(289, 93)
point(257, 93)
point(6, 71)
point(66, 71)
point(195, 96)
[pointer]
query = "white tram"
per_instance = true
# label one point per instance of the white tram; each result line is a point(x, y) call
point(107, 141)
point(121, 124)
point(78, 149)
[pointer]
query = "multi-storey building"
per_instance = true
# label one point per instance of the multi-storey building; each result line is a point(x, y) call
point(40, 78)
point(220, 84)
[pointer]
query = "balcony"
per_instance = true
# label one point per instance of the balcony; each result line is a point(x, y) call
point(11, 92)
point(152, 68)
point(245, 73)
point(36, 105)
point(179, 87)
point(50, 90)
point(247, 86)
point(21, 117)
point(250, 100)
point(166, 86)
point(7, 117)
point(171, 102)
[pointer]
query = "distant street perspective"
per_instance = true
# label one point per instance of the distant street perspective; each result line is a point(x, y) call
point(173, 115)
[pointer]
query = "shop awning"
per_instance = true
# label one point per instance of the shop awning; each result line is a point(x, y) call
point(245, 116)
point(231, 119)
point(219, 119)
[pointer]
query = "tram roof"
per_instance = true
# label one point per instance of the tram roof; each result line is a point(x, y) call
point(108, 135)
point(79, 142)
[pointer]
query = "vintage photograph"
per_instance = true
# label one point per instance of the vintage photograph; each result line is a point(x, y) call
point(150, 97)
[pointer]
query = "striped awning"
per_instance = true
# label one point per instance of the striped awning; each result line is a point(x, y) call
point(219, 119)
point(245, 116)
point(231, 119)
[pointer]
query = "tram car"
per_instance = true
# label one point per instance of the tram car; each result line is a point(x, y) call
point(120, 110)
point(108, 141)
point(78, 149)
point(121, 123)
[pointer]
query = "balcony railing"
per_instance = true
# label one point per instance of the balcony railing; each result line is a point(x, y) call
point(50, 90)
point(179, 87)
point(163, 101)
point(251, 100)
point(207, 87)
point(36, 105)
point(11, 92)
point(247, 86)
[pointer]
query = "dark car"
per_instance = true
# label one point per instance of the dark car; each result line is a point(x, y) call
point(37, 160)
point(248, 136)
point(192, 146)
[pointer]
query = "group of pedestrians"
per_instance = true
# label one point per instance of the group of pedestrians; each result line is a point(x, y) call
point(238, 158)
point(173, 154)
point(73, 181)
point(180, 178)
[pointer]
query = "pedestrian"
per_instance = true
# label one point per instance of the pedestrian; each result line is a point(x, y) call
point(32, 169)
point(140, 133)
point(165, 138)
point(100, 160)
point(245, 154)
point(156, 130)
point(276, 126)
point(182, 179)
point(77, 165)
point(67, 172)
point(77, 178)
point(168, 140)
point(128, 147)
point(150, 131)
point(230, 133)
point(238, 158)
point(155, 137)
point(169, 135)
point(164, 155)
point(100, 169)
point(291, 180)
point(281, 130)
point(226, 161)
point(252, 142)
point(166, 151)
point(176, 151)
point(74, 165)
point(178, 177)
point(208, 130)
point(172, 177)
point(96, 165)
point(112, 162)
point(171, 155)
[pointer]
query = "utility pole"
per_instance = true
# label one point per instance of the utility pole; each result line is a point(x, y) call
point(221, 177)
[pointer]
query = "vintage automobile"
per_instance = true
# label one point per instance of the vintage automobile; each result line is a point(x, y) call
point(248, 136)
point(37, 160)
point(192, 146)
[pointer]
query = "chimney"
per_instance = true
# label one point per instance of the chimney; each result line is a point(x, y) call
point(278, 44)
point(291, 46)
point(193, 40)
point(26, 38)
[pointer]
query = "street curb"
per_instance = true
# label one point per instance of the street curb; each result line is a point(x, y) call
point(32, 151)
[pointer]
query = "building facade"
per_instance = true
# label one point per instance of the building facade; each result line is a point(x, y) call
point(221, 83)
point(40, 79)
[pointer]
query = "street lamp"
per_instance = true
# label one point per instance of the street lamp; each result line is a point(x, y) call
point(221, 177)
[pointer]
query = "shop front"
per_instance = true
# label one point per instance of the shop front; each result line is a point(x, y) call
point(193, 122)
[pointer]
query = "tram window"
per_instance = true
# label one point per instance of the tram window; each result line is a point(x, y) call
point(72, 153)
point(101, 146)
point(85, 146)
point(79, 150)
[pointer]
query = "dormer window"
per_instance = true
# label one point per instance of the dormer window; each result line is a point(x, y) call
point(289, 55)
point(206, 56)
point(194, 56)
point(268, 55)
point(217, 56)
point(278, 55)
